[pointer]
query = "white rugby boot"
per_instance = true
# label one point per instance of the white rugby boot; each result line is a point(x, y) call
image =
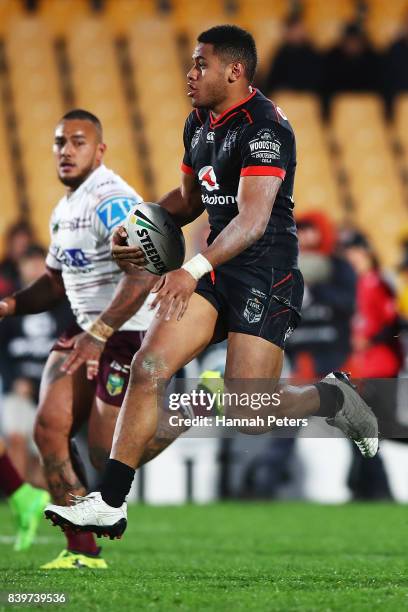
point(90, 513)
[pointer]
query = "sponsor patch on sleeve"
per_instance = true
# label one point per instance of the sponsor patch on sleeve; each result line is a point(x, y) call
point(115, 209)
point(266, 147)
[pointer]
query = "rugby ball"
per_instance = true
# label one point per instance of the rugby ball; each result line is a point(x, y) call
point(153, 229)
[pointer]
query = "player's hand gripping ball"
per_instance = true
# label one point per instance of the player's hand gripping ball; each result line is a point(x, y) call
point(151, 228)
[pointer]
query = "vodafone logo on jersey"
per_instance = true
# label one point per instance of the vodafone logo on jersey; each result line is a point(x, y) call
point(208, 179)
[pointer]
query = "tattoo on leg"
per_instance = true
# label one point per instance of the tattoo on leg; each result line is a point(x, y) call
point(153, 449)
point(53, 372)
point(61, 479)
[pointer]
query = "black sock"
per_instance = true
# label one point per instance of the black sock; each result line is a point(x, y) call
point(116, 482)
point(331, 399)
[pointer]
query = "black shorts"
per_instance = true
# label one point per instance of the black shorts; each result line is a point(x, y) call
point(264, 302)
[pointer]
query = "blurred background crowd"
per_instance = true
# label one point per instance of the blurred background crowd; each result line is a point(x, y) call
point(339, 71)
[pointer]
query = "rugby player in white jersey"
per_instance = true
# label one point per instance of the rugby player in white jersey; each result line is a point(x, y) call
point(79, 265)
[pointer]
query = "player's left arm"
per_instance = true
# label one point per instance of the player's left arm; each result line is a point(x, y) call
point(131, 292)
point(256, 196)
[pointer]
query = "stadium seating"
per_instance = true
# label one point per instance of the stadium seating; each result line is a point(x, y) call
point(163, 103)
point(364, 142)
point(9, 208)
point(37, 106)
point(384, 19)
point(264, 20)
point(401, 126)
point(98, 87)
point(143, 131)
point(325, 19)
point(61, 16)
point(315, 185)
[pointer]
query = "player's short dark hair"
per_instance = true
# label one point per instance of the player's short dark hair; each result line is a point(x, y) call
point(236, 44)
point(84, 115)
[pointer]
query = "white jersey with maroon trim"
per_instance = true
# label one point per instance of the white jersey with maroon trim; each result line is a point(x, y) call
point(81, 227)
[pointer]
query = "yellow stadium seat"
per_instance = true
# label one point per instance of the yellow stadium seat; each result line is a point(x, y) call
point(8, 197)
point(9, 12)
point(384, 20)
point(98, 88)
point(325, 19)
point(360, 132)
point(62, 15)
point(120, 14)
point(264, 19)
point(401, 125)
point(315, 184)
point(163, 102)
point(38, 107)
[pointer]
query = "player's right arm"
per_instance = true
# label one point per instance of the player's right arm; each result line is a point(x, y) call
point(43, 294)
point(184, 203)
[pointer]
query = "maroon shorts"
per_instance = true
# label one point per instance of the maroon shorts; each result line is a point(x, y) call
point(114, 365)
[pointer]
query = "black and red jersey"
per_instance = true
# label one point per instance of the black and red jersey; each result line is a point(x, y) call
point(252, 138)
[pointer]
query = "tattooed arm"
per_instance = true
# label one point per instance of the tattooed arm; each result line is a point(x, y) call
point(129, 296)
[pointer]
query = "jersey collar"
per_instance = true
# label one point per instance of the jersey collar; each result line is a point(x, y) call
point(89, 182)
point(216, 122)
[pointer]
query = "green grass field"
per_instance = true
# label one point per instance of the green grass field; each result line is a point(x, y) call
point(231, 556)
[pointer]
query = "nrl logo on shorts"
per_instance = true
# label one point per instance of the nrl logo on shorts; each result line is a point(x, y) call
point(253, 310)
point(114, 384)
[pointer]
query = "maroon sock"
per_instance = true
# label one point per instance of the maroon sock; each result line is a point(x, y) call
point(82, 542)
point(10, 479)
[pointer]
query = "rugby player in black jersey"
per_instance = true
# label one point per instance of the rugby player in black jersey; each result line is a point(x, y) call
point(239, 165)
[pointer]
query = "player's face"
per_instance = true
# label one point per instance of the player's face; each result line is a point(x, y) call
point(77, 150)
point(208, 79)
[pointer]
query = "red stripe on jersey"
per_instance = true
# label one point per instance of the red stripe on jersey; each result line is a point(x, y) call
point(214, 126)
point(213, 121)
point(279, 312)
point(244, 110)
point(283, 280)
point(263, 171)
point(186, 169)
point(198, 116)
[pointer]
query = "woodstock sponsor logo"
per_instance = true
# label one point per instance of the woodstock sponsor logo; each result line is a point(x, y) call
point(265, 145)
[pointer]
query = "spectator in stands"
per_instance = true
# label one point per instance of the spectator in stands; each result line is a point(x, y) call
point(395, 65)
point(377, 357)
point(323, 337)
point(297, 65)
point(376, 347)
point(352, 65)
point(403, 291)
point(25, 343)
point(18, 237)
